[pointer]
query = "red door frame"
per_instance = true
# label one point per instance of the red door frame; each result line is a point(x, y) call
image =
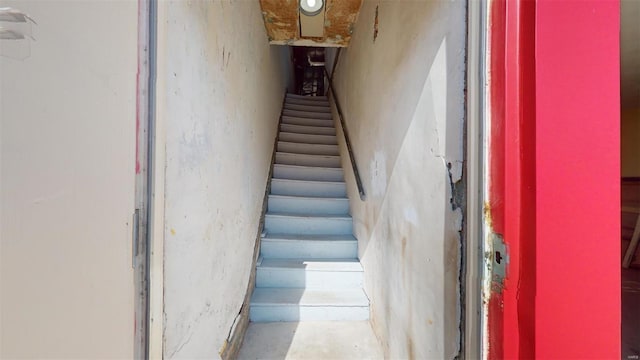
point(554, 176)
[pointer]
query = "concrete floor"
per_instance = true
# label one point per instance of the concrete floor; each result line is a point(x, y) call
point(630, 313)
point(311, 340)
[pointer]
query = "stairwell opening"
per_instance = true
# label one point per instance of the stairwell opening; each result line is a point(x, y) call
point(230, 132)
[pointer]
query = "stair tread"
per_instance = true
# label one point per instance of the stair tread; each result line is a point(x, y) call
point(308, 237)
point(310, 198)
point(309, 297)
point(291, 127)
point(309, 155)
point(287, 119)
point(302, 167)
point(308, 114)
point(302, 107)
point(308, 138)
point(324, 122)
point(291, 101)
point(310, 216)
point(310, 181)
point(352, 265)
point(333, 146)
point(303, 97)
point(312, 103)
point(286, 132)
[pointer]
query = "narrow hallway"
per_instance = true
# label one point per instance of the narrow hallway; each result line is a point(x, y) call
point(308, 298)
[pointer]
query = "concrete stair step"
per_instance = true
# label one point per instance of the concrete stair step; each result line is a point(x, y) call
point(309, 274)
point(309, 98)
point(307, 122)
point(322, 103)
point(308, 188)
point(311, 173)
point(308, 205)
point(324, 108)
point(308, 139)
point(307, 114)
point(313, 130)
point(294, 223)
point(286, 304)
point(311, 149)
point(308, 160)
point(297, 246)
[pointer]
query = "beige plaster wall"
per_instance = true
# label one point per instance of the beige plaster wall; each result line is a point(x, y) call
point(403, 100)
point(221, 87)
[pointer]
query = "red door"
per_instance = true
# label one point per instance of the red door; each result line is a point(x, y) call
point(553, 178)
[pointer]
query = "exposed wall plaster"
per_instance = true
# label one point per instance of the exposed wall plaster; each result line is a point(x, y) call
point(223, 93)
point(403, 101)
point(281, 19)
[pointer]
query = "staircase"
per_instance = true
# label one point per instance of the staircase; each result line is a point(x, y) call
point(308, 267)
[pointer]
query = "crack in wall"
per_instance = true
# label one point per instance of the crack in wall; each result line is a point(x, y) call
point(189, 331)
point(458, 200)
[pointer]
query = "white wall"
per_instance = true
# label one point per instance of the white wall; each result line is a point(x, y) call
point(67, 176)
point(403, 101)
point(220, 92)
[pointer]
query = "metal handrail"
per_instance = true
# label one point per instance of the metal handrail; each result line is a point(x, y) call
point(356, 173)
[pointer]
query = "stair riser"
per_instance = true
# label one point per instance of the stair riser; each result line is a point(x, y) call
point(308, 189)
point(299, 278)
point(307, 160)
point(307, 122)
point(309, 98)
point(311, 108)
point(307, 102)
point(316, 206)
point(312, 130)
point(306, 225)
point(311, 149)
point(307, 173)
point(308, 313)
point(307, 249)
point(308, 139)
point(306, 114)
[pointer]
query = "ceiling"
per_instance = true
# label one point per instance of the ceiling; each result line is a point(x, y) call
point(282, 21)
point(630, 53)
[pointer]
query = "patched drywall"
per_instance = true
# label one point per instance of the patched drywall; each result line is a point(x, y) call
point(403, 101)
point(220, 87)
point(67, 177)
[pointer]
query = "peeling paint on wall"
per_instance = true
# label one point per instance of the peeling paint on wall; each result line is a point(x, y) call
point(378, 169)
point(282, 21)
point(221, 120)
point(406, 126)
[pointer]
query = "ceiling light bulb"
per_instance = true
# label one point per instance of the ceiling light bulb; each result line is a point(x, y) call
point(311, 7)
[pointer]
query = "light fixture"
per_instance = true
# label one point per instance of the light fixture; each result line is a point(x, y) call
point(14, 24)
point(311, 7)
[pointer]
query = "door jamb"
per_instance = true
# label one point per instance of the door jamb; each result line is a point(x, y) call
point(476, 70)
